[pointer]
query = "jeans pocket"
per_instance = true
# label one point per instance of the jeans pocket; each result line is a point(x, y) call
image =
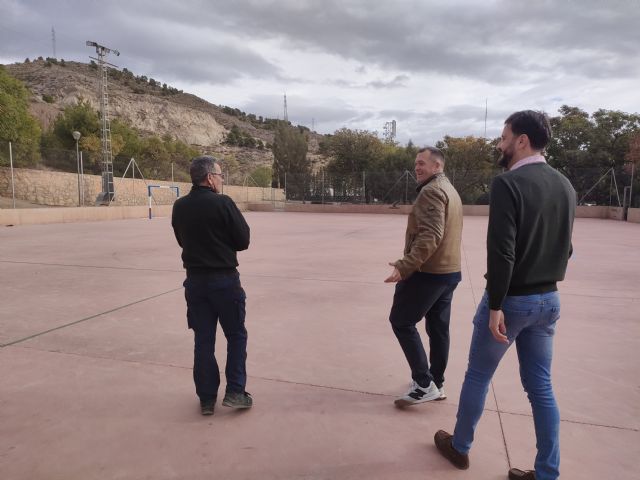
point(517, 307)
point(552, 317)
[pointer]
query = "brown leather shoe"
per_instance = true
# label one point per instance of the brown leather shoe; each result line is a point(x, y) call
point(443, 443)
point(517, 474)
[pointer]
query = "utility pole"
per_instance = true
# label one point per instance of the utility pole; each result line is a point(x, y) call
point(53, 41)
point(108, 192)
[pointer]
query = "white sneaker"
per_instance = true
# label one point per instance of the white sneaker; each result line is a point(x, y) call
point(443, 396)
point(418, 394)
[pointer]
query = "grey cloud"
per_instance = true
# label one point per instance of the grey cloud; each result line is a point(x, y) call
point(301, 111)
point(499, 42)
point(151, 42)
point(398, 81)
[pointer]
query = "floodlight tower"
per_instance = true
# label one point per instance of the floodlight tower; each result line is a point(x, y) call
point(390, 131)
point(108, 192)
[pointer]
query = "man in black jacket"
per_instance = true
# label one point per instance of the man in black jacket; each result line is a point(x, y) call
point(528, 247)
point(210, 229)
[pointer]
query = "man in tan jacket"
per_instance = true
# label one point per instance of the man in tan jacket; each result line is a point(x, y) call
point(426, 277)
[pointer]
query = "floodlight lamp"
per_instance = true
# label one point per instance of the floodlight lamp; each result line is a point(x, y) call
point(76, 135)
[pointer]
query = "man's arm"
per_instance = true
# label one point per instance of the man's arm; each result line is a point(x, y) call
point(238, 228)
point(173, 224)
point(429, 212)
point(501, 242)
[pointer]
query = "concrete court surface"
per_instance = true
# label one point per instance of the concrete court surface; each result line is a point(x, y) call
point(95, 377)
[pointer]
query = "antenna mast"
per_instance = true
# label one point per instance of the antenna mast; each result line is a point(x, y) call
point(486, 108)
point(53, 41)
point(286, 115)
point(108, 192)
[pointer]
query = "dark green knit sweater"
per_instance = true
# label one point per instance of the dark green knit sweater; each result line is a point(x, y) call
point(529, 238)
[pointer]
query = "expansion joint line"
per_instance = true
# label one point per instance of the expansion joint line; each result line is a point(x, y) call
point(59, 327)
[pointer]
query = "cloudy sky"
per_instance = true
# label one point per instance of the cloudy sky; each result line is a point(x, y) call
point(429, 65)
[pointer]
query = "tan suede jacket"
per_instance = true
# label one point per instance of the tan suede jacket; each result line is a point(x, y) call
point(434, 230)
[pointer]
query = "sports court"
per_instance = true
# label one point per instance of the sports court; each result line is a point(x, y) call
point(95, 363)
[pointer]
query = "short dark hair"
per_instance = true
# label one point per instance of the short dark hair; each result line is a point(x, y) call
point(201, 167)
point(534, 125)
point(436, 152)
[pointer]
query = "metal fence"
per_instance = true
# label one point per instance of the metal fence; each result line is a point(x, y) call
point(615, 186)
point(612, 186)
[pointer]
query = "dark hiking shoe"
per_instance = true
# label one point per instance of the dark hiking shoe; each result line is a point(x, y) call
point(517, 474)
point(443, 443)
point(207, 407)
point(237, 400)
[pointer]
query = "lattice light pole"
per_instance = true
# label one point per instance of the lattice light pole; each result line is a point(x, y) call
point(390, 131)
point(108, 191)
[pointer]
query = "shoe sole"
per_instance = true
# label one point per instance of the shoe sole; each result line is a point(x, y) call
point(236, 406)
point(401, 402)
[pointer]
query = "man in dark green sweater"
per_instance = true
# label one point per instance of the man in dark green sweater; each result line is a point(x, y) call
point(210, 229)
point(528, 247)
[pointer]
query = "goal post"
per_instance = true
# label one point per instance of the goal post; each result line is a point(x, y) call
point(151, 187)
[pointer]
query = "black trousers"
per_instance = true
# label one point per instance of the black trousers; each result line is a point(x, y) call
point(423, 295)
point(213, 298)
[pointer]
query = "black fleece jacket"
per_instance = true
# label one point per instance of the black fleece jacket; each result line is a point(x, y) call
point(529, 237)
point(210, 229)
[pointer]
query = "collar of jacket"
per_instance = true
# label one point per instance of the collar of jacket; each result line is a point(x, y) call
point(432, 177)
point(195, 188)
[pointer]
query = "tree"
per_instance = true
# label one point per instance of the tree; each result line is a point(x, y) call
point(262, 176)
point(354, 151)
point(80, 117)
point(585, 147)
point(290, 157)
point(470, 165)
point(16, 124)
point(58, 144)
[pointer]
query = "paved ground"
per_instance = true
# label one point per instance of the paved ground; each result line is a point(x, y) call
point(95, 379)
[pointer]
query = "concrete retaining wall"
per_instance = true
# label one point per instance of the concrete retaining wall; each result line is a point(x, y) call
point(633, 215)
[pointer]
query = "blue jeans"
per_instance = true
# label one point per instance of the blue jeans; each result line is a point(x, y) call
point(211, 298)
point(530, 322)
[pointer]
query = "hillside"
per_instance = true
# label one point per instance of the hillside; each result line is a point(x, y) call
point(152, 110)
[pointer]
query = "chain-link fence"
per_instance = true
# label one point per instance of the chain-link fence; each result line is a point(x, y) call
point(606, 186)
point(70, 178)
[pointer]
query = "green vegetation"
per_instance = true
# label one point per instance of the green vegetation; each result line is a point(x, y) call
point(289, 155)
point(261, 176)
point(585, 146)
point(153, 155)
point(238, 137)
point(16, 124)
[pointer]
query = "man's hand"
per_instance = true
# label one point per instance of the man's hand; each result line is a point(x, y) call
point(395, 275)
point(497, 326)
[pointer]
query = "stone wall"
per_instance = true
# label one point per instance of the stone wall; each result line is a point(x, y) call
point(49, 188)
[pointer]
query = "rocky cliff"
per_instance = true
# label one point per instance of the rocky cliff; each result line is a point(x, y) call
point(150, 109)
